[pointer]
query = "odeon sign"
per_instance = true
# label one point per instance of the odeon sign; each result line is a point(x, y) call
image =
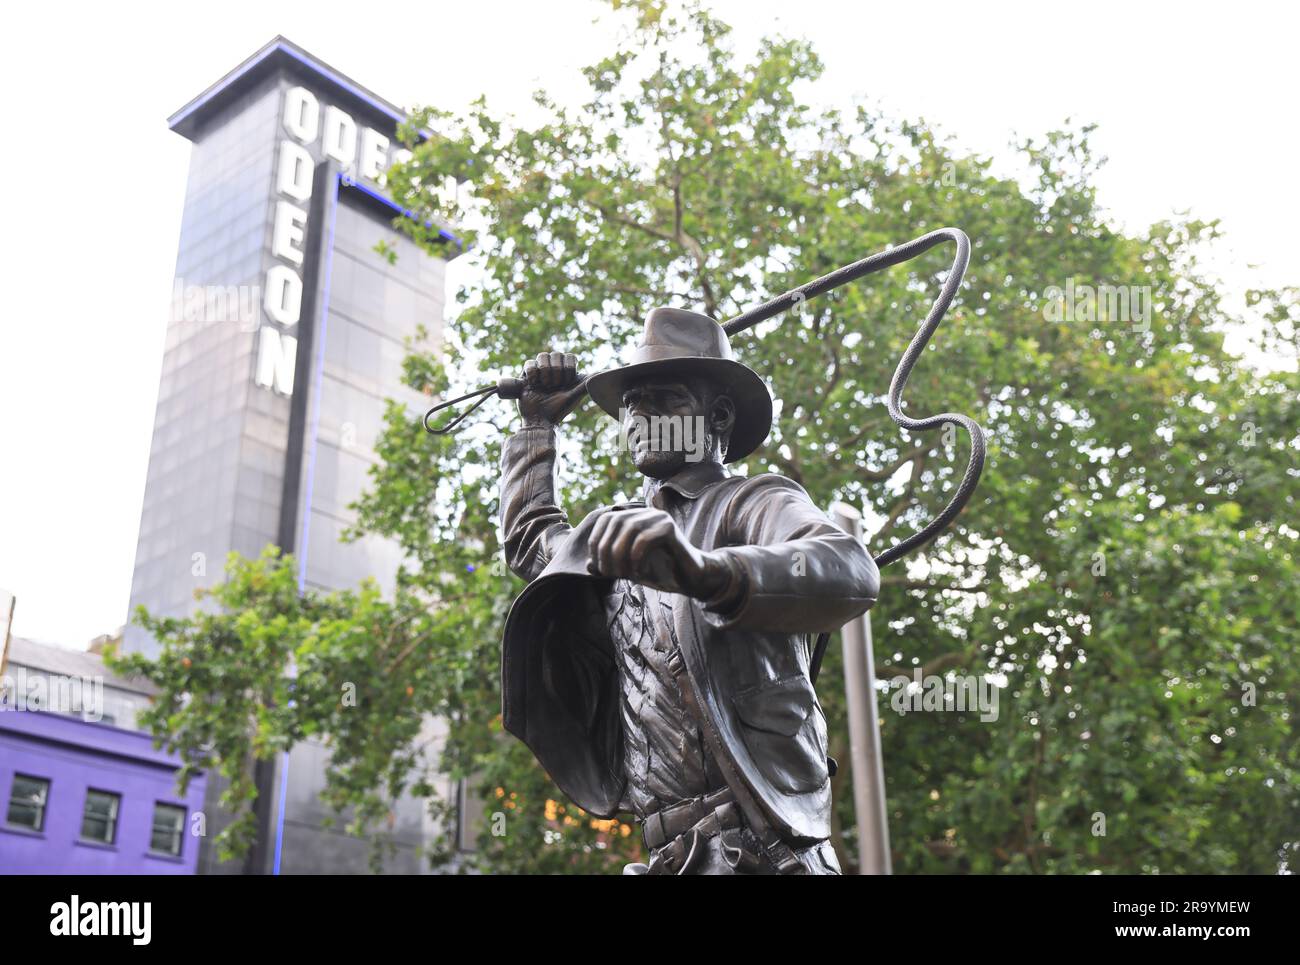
point(360, 152)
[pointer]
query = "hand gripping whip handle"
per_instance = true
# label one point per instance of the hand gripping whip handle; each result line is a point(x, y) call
point(506, 388)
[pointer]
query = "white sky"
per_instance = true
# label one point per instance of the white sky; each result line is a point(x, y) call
point(1196, 104)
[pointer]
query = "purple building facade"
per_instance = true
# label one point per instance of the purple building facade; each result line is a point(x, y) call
point(82, 796)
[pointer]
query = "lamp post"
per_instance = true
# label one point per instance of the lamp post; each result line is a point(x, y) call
point(864, 729)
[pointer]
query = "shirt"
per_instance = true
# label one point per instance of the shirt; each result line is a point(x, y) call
point(664, 756)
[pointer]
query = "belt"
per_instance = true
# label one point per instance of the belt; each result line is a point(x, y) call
point(672, 822)
point(701, 818)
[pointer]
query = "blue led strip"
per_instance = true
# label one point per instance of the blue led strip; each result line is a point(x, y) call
point(340, 181)
point(350, 182)
point(322, 315)
point(279, 821)
point(315, 66)
point(343, 82)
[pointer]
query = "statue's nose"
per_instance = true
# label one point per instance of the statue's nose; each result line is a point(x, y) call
point(641, 410)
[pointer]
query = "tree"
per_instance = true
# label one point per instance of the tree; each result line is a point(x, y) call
point(1118, 571)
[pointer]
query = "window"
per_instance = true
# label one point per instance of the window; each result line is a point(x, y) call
point(27, 802)
point(99, 820)
point(168, 827)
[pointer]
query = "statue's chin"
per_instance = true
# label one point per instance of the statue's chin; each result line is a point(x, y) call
point(658, 464)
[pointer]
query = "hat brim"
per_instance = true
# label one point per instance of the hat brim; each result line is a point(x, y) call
point(747, 390)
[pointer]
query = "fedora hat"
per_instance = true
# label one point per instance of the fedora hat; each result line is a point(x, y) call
point(690, 345)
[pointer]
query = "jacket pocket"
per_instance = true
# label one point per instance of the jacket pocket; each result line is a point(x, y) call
point(785, 733)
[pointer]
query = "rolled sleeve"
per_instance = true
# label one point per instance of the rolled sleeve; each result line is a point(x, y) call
point(792, 569)
point(532, 521)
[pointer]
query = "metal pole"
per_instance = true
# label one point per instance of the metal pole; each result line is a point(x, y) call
point(864, 728)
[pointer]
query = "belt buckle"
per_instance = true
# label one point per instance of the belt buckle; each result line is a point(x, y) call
point(680, 855)
point(652, 831)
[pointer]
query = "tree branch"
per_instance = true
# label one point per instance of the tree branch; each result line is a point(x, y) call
point(695, 248)
point(935, 665)
point(903, 583)
point(906, 500)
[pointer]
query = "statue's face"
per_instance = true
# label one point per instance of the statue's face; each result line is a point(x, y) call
point(669, 424)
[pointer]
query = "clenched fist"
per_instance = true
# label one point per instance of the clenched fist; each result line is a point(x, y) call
point(551, 389)
point(646, 547)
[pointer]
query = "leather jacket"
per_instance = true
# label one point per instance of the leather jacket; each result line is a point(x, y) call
point(748, 666)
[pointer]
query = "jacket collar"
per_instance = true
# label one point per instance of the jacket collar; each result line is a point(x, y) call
point(690, 481)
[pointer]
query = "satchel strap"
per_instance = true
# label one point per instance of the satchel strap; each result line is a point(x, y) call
point(780, 853)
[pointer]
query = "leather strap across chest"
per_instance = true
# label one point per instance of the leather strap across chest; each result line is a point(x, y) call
point(778, 852)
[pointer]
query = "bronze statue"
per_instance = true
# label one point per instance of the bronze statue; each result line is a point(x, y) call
point(660, 659)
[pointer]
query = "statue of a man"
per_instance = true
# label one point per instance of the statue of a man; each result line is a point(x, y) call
point(659, 660)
